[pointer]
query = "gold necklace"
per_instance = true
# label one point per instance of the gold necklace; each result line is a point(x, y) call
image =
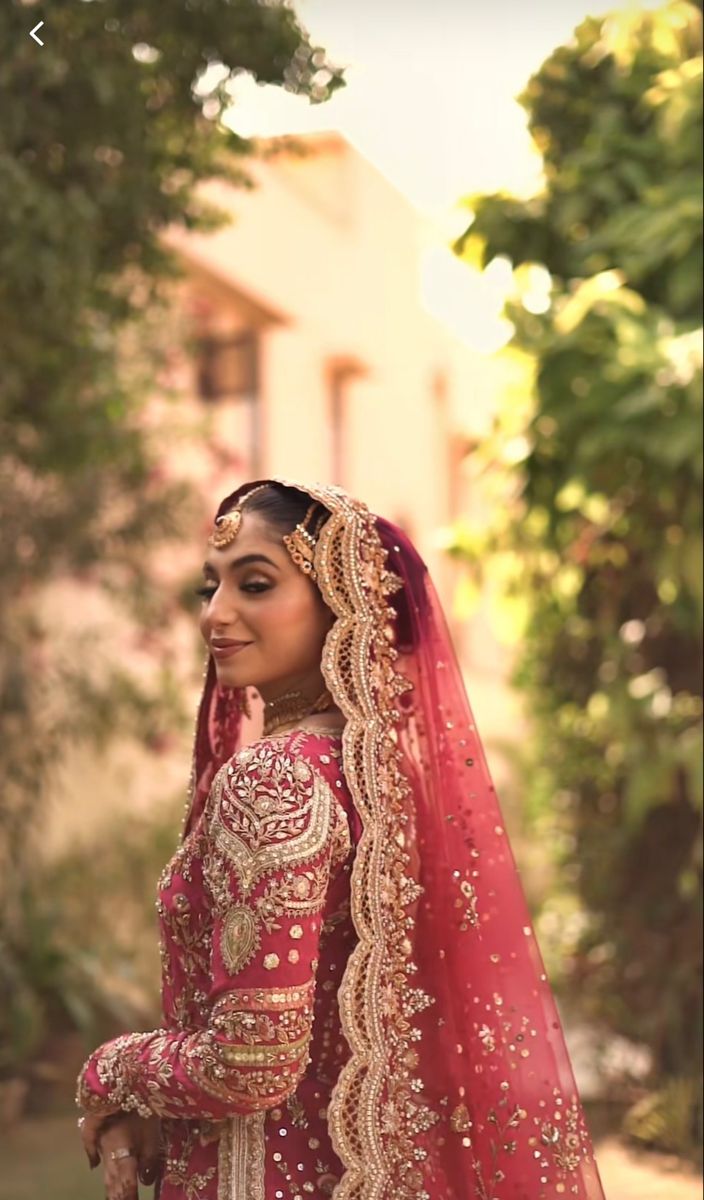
point(291, 707)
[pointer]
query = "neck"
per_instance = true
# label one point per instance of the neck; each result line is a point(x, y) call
point(292, 706)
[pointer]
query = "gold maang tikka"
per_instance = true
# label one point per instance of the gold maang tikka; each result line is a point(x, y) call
point(227, 526)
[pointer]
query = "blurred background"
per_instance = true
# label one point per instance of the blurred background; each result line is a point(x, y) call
point(449, 257)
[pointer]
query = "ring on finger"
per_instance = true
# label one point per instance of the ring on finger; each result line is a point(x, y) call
point(121, 1152)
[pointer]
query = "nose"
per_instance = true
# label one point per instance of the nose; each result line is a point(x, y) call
point(222, 615)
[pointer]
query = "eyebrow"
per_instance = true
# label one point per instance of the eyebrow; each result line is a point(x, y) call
point(242, 562)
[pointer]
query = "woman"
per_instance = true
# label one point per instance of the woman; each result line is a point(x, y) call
point(354, 1002)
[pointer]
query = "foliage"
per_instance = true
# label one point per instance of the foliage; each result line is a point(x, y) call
point(107, 130)
point(664, 1118)
point(83, 955)
point(597, 485)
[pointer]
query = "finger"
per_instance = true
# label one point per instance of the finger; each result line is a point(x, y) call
point(121, 1179)
point(150, 1152)
point(89, 1139)
point(151, 1139)
point(89, 1136)
point(121, 1191)
point(116, 1143)
point(124, 1191)
point(147, 1170)
point(92, 1156)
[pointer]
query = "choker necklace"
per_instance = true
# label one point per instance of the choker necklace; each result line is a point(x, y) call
point(291, 707)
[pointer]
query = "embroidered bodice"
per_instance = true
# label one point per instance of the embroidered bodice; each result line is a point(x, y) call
point(255, 925)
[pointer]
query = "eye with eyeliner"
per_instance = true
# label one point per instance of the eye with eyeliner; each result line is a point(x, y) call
point(209, 590)
point(256, 587)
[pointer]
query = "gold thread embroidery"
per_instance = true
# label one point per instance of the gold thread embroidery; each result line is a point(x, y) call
point(178, 1170)
point(276, 810)
point(240, 938)
point(267, 1055)
point(268, 999)
point(242, 1159)
point(304, 892)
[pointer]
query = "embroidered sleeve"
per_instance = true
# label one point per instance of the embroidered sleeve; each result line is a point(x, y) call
point(275, 830)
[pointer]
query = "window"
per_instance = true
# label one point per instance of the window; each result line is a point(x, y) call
point(227, 367)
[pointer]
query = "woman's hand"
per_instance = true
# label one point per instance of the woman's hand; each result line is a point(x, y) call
point(119, 1154)
point(89, 1127)
point(130, 1148)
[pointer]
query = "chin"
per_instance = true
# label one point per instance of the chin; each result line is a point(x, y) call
point(229, 676)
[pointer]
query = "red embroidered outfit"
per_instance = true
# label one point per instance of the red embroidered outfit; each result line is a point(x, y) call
point(255, 934)
point(355, 1002)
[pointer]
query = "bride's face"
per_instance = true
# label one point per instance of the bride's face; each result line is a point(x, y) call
point(255, 595)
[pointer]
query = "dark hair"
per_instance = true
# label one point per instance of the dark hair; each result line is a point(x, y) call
point(284, 507)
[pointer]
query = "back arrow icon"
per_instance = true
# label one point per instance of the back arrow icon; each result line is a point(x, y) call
point(33, 34)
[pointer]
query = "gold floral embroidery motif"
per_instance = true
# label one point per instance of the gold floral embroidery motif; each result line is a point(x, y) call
point(250, 1088)
point(567, 1141)
point(115, 1072)
point(293, 895)
point(269, 810)
point(460, 1121)
point(257, 1028)
point(178, 1171)
point(240, 938)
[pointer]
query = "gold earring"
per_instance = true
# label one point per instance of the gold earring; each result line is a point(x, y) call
point(301, 545)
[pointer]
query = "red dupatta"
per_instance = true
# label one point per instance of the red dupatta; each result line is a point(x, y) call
point(459, 1084)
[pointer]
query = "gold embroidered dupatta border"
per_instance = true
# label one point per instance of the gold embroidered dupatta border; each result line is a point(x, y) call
point(374, 1114)
point(241, 1158)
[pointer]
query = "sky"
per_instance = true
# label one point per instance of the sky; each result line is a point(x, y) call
point(431, 86)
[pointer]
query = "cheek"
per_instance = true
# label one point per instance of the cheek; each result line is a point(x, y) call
point(293, 622)
point(289, 612)
point(203, 623)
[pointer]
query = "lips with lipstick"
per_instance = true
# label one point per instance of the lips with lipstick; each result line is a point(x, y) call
point(225, 647)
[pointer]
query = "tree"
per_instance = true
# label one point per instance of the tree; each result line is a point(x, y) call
point(601, 518)
point(106, 131)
